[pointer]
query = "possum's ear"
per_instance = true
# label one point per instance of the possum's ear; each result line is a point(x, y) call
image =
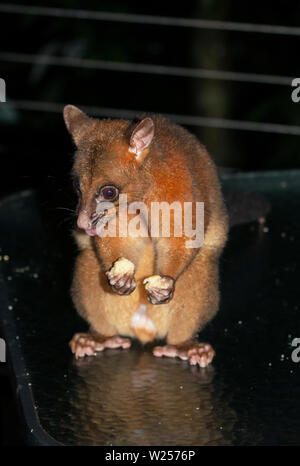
point(141, 138)
point(77, 122)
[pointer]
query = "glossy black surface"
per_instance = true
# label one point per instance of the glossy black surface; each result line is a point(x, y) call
point(251, 394)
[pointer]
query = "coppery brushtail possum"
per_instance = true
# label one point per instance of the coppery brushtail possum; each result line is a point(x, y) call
point(144, 286)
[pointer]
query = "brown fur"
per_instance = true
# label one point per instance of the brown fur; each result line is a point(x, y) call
point(175, 167)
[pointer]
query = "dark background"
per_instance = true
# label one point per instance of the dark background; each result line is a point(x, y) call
point(35, 149)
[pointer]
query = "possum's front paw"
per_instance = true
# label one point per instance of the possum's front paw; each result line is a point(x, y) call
point(159, 289)
point(121, 277)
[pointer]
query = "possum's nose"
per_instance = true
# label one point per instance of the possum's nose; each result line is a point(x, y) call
point(83, 220)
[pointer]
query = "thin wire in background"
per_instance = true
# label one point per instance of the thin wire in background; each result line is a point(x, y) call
point(153, 69)
point(144, 68)
point(148, 19)
point(180, 119)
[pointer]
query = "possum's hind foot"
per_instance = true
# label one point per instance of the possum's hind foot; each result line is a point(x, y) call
point(193, 352)
point(87, 344)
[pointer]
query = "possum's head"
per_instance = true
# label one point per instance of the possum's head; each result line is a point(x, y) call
point(107, 164)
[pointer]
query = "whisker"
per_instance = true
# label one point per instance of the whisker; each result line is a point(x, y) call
point(64, 220)
point(67, 209)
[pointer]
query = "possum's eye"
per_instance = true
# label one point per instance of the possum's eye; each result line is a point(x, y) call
point(76, 186)
point(109, 193)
